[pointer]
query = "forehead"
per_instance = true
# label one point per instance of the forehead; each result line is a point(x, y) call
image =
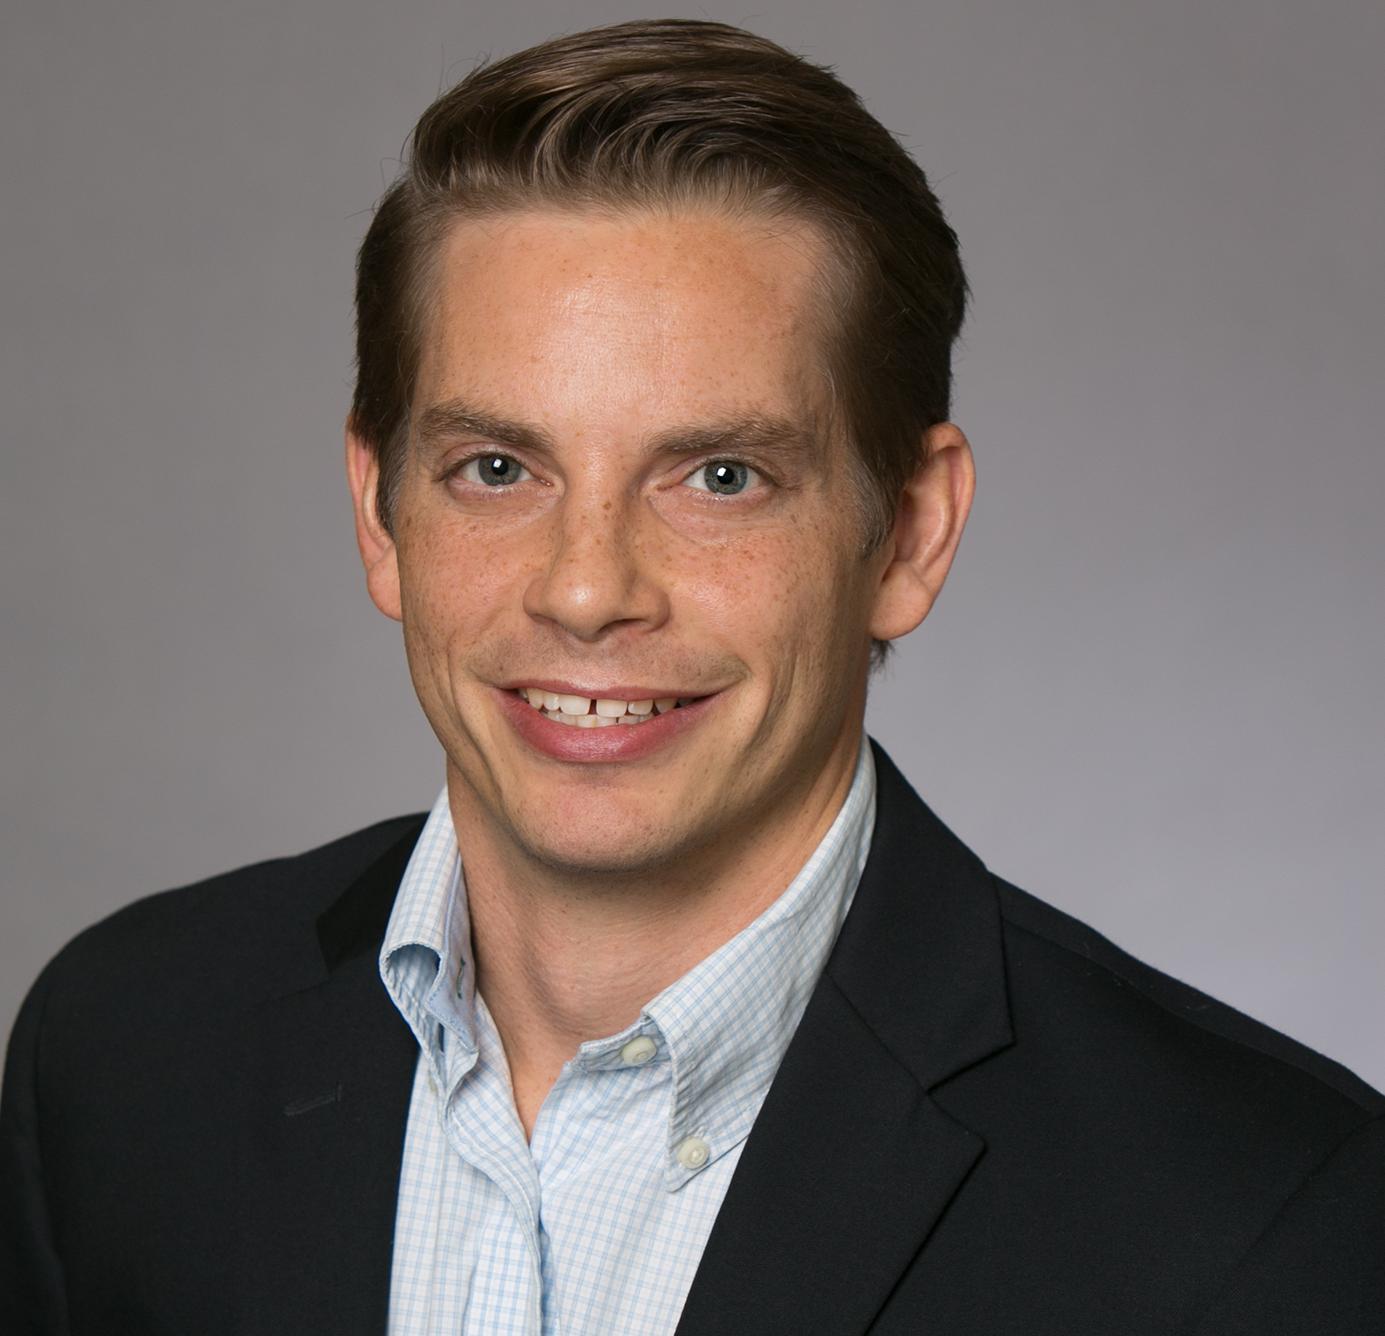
point(626, 319)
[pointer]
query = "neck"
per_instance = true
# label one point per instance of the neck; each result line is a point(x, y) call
point(563, 957)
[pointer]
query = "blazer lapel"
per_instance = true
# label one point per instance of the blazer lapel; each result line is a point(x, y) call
point(850, 1163)
point(330, 1064)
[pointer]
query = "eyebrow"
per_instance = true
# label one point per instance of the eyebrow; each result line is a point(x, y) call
point(758, 432)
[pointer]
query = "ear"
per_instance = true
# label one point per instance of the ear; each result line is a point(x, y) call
point(378, 553)
point(928, 526)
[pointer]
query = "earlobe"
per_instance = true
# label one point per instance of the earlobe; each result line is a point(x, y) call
point(378, 552)
point(932, 512)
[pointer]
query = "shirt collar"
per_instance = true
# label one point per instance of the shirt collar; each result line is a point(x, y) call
point(425, 960)
point(724, 1025)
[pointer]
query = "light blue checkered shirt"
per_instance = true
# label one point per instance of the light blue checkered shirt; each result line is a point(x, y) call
point(597, 1226)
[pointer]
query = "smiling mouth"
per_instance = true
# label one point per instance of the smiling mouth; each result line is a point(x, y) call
point(590, 712)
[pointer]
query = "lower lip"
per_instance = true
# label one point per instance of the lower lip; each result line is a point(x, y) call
point(618, 742)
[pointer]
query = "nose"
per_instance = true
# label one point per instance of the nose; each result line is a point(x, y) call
point(599, 574)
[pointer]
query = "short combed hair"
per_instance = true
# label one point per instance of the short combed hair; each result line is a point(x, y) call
point(673, 114)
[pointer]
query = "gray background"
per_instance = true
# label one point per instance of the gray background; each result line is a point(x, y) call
point(1151, 693)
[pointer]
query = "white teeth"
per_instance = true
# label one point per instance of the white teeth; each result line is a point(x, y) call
point(577, 711)
point(594, 720)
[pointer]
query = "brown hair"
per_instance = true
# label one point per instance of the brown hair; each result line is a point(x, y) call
point(666, 113)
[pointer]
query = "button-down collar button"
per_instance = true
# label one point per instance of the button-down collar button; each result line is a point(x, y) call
point(692, 1152)
point(638, 1051)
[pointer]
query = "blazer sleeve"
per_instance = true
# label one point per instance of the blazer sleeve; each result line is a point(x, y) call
point(1319, 1266)
point(32, 1294)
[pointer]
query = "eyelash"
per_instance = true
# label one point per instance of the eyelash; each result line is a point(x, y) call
point(454, 470)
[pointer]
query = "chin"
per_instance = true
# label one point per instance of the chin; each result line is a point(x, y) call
point(588, 855)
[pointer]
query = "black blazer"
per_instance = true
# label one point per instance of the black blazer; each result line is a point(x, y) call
point(989, 1121)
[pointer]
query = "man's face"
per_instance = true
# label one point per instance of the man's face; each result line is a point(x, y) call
point(621, 487)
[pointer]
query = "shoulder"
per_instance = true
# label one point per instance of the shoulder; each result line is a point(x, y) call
point(242, 902)
point(1128, 1012)
point(1195, 1110)
point(1136, 1116)
point(213, 939)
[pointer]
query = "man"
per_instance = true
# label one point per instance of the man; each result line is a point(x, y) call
point(679, 1010)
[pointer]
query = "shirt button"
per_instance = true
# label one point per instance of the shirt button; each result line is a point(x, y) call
point(692, 1152)
point(638, 1051)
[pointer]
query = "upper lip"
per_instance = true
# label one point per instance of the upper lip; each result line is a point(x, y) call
point(607, 692)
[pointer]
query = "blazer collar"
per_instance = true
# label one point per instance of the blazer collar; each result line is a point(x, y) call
point(328, 1067)
point(354, 924)
point(851, 1163)
point(920, 955)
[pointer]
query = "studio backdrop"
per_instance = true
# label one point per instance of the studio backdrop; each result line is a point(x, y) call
point(1151, 692)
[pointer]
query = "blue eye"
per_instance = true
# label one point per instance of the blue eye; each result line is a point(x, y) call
point(493, 470)
point(722, 477)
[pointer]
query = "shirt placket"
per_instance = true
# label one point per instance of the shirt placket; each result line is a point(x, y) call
point(483, 1129)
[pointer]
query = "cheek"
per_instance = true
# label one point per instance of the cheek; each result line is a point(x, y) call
point(776, 595)
point(729, 584)
point(454, 584)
